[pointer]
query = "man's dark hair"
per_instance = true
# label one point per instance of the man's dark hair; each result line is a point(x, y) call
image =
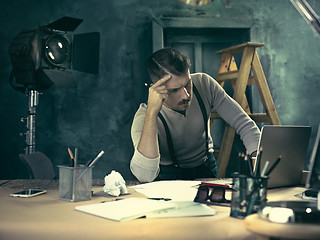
point(167, 59)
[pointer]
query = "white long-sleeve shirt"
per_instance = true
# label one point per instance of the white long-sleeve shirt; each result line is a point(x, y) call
point(188, 132)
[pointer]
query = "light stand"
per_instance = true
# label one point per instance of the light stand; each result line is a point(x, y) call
point(31, 121)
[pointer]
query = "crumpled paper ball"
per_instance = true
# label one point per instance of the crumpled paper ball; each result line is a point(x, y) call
point(114, 184)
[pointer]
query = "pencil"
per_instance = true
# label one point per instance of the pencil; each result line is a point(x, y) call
point(273, 165)
point(71, 156)
point(249, 162)
point(264, 168)
point(257, 168)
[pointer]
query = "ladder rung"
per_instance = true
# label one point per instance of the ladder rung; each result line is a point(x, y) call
point(240, 47)
point(232, 75)
point(251, 80)
point(260, 117)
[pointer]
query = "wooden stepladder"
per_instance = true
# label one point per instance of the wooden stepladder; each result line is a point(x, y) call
point(249, 73)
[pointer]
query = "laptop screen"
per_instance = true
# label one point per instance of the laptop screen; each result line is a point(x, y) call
point(291, 144)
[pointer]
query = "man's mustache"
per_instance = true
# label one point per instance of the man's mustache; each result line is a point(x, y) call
point(184, 101)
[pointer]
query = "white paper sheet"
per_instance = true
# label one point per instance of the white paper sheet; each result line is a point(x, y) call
point(174, 190)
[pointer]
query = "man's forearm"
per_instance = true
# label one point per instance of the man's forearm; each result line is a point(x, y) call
point(148, 145)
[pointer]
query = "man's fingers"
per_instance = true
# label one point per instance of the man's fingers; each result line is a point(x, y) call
point(162, 81)
point(158, 93)
point(158, 89)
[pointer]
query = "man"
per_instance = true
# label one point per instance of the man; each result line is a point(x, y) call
point(170, 134)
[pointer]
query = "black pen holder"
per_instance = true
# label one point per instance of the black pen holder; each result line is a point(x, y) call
point(75, 183)
point(249, 196)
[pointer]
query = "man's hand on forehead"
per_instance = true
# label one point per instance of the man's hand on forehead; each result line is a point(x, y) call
point(158, 93)
point(162, 80)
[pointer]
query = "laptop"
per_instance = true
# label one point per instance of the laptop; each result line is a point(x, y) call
point(313, 177)
point(289, 142)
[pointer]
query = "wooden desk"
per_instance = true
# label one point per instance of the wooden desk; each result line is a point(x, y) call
point(47, 217)
point(268, 230)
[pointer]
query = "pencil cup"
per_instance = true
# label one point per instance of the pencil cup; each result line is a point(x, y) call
point(249, 196)
point(75, 183)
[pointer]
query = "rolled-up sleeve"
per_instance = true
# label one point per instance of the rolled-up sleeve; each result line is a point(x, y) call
point(143, 168)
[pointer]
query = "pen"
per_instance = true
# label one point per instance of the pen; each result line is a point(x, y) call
point(274, 165)
point(117, 199)
point(251, 204)
point(75, 157)
point(89, 164)
point(265, 168)
point(159, 199)
point(74, 174)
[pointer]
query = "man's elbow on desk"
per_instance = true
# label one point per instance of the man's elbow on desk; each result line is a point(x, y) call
point(145, 170)
point(143, 175)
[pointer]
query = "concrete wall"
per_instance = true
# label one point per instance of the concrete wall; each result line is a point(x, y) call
point(97, 114)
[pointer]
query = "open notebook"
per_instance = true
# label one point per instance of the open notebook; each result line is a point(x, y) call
point(133, 208)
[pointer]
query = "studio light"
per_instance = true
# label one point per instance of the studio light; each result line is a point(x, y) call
point(48, 54)
point(57, 51)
